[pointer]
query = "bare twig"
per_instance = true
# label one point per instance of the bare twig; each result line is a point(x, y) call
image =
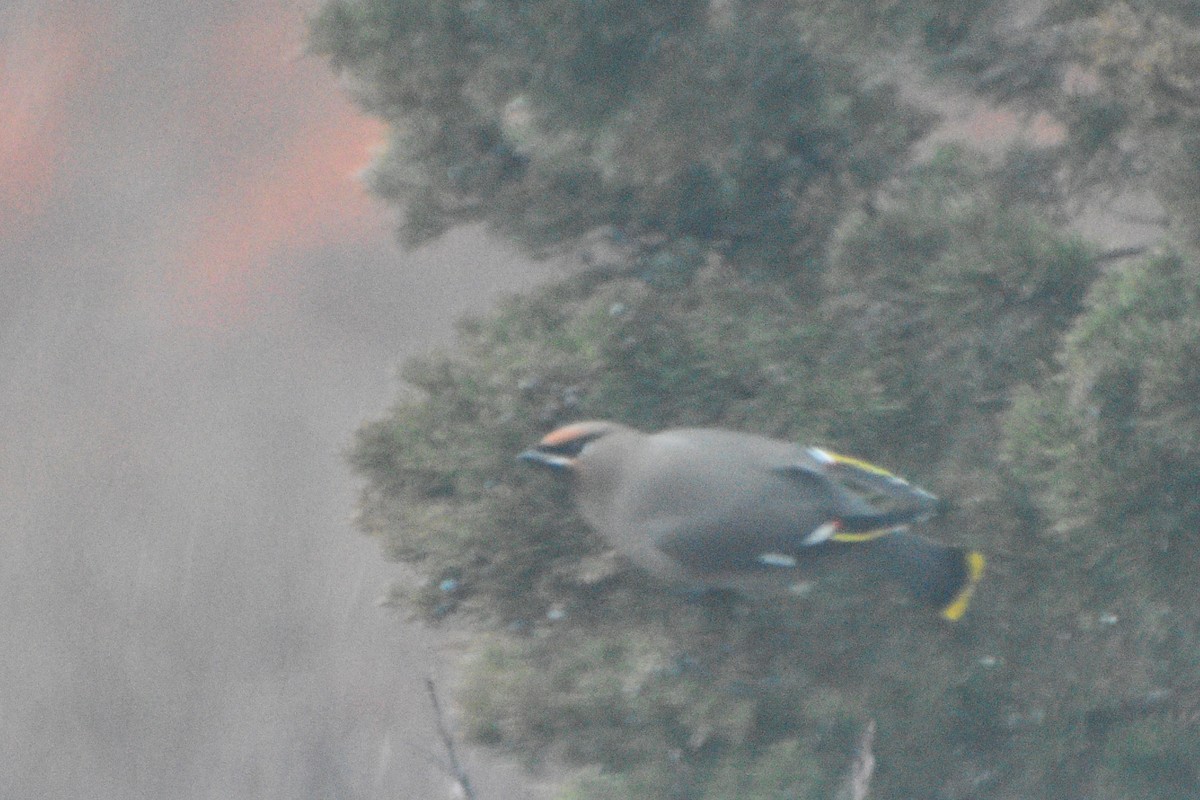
point(457, 772)
point(858, 780)
point(1119, 253)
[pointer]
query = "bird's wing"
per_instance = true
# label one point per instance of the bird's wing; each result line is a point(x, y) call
point(869, 480)
point(769, 528)
point(850, 517)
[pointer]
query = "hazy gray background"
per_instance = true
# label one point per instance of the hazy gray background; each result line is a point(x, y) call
point(197, 307)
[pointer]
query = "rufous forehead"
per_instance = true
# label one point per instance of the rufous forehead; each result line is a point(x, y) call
point(567, 433)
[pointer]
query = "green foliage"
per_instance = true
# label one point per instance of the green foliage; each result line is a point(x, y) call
point(443, 486)
point(1106, 449)
point(781, 267)
point(1121, 76)
point(594, 666)
point(950, 294)
point(1109, 447)
point(1153, 759)
point(552, 119)
point(874, 30)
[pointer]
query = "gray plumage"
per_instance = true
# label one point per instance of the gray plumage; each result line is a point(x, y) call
point(729, 509)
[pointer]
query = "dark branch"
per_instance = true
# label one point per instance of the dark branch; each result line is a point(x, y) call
point(456, 768)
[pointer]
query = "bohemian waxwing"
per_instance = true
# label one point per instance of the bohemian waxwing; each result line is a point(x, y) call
point(736, 510)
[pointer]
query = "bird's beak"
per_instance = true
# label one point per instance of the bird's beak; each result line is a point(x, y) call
point(546, 459)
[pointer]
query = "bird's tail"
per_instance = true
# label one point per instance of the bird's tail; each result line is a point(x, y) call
point(945, 577)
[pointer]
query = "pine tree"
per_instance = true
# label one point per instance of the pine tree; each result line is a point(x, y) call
point(773, 252)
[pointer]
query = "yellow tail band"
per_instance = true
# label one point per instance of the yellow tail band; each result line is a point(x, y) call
point(955, 609)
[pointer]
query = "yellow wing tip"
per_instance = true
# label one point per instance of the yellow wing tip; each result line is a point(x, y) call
point(956, 608)
point(858, 463)
point(864, 536)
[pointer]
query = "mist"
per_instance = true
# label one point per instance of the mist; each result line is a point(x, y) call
point(191, 328)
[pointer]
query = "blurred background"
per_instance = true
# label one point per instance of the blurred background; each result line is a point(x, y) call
point(199, 306)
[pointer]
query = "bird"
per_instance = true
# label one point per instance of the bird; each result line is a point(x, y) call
point(723, 509)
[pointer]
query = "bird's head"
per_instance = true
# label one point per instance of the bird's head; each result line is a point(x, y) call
point(562, 448)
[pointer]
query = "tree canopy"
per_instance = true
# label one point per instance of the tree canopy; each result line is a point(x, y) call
point(552, 121)
point(777, 248)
